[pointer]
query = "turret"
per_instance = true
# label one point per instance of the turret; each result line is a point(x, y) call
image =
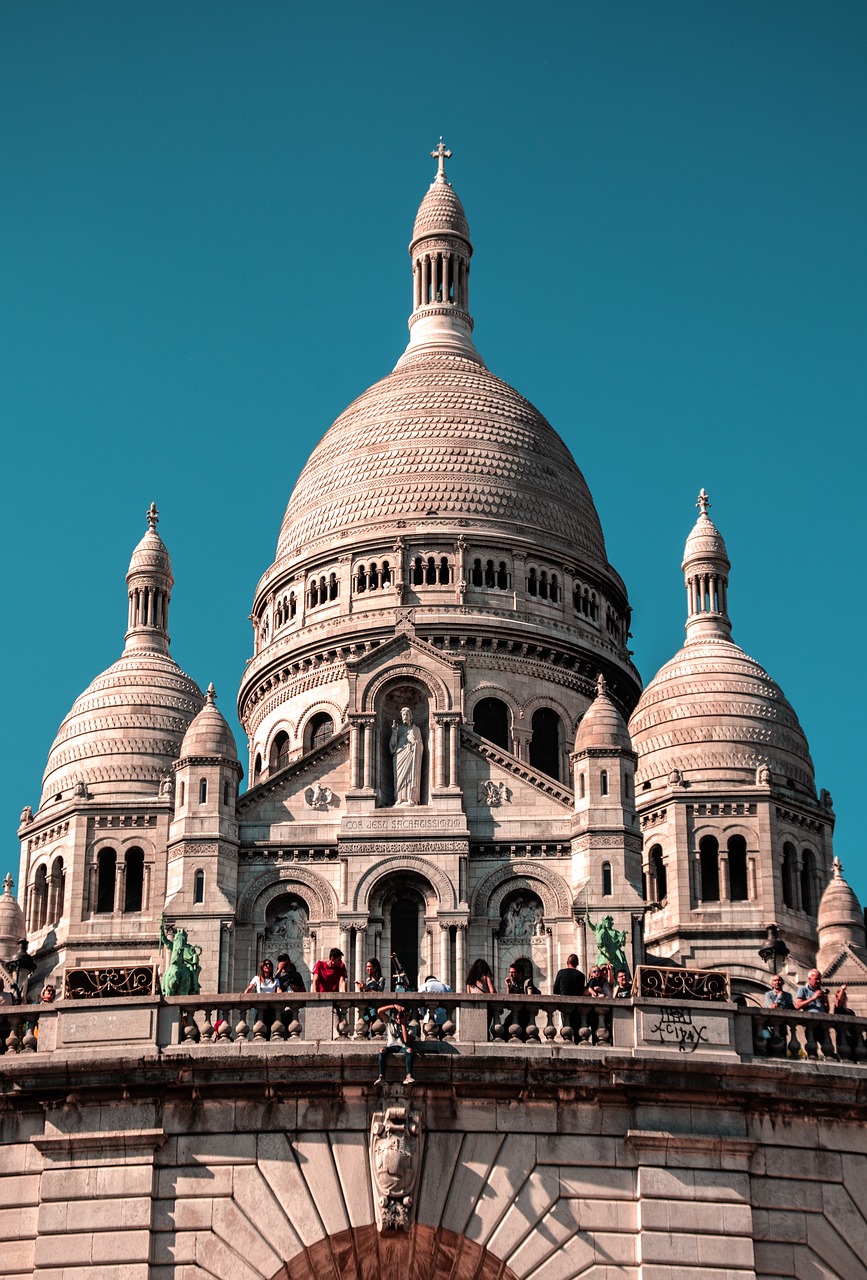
point(706, 572)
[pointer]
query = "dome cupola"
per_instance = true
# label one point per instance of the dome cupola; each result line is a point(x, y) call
point(602, 727)
point(12, 928)
point(706, 571)
point(840, 920)
point(441, 250)
point(124, 732)
point(209, 736)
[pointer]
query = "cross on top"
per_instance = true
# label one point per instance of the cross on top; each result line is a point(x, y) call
point(153, 517)
point(441, 154)
point(703, 502)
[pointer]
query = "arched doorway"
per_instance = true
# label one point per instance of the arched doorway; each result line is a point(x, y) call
point(405, 937)
point(423, 1254)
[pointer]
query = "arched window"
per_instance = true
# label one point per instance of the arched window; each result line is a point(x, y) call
point(257, 768)
point(476, 575)
point(430, 575)
point(627, 784)
point(279, 757)
point(57, 887)
point(226, 794)
point(199, 887)
point(106, 865)
point(417, 571)
point(788, 876)
point(40, 898)
point(319, 730)
point(133, 880)
point(203, 791)
point(546, 742)
point(738, 886)
point(555, 588)
point(581, 787)
point(503, 576)
point(314, 593)
point(543, 584)
point(808, 882)
point(532, 583)
point(709, 862)
point(373, 576)
point(444, 576)
point(490, 573)
point(333, 587)
point(386, 574)
point(603, 782)
point(491, 721)
point(606, 879)
point(360, 579)
point(293, 605)
point(658, 875)
point(182, 795)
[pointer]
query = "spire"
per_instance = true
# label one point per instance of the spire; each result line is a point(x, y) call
point(211, 695)
point(149, 589)
point(706, 569)
point(441, 252)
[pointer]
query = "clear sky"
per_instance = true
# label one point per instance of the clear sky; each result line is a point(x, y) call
point(206, 208)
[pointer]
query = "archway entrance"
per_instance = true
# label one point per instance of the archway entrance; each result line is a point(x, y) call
point(405, 936)
point(420, 1254)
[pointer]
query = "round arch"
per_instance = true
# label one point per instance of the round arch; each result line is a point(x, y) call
point(551, 888)
point(261, 892)
point(424, 1252)
point(543, 700)
point(398, 863)
point(407, 671)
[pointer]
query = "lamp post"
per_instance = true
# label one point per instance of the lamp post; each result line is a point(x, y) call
point(775, 952)
point(20, 965)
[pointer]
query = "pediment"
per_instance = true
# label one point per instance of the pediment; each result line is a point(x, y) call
point(287, 787)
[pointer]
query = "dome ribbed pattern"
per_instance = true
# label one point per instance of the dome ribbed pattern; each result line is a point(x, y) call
point(209, 734)
point(602, 727)
point(441, 212)
point(714, 710)
point(441, 436)
point(151, 556)
point(125, 730)
point(705, 542)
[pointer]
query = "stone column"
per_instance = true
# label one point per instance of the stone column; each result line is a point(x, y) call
point(460, 957)
point(549, 955)
point(119, 883)
point(454, 734)
point(360, 931)
point(443, 971)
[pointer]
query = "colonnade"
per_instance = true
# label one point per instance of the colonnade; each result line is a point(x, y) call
point(440, 276)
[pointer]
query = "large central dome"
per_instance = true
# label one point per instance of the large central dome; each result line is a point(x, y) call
point(441, 438)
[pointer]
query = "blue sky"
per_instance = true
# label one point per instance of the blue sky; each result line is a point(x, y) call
point(206, 208)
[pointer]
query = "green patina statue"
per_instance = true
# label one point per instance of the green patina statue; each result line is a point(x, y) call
point(609, 941)
point(181, 977)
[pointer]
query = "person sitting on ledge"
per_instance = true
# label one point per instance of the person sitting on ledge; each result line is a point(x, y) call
point(812, 996)
point(397, 1040)
point(776, 997)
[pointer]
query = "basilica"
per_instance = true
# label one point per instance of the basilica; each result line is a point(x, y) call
point(450, 754)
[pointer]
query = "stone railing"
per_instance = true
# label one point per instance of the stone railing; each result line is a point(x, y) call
point(344, 1023)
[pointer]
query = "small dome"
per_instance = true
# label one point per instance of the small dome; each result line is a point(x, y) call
point(714, 711)
point(124, 732)
point(705, 542)
point(209, 734)
point(840, 919)
point(602, 726)
point(441, 212)
point(151, 555)
point(12, 928)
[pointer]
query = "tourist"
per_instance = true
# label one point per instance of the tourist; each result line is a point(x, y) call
point(776, 997)
point(264, 984)
point(598, 984)
point(440, 1014)
point(373, 981)
point(519, 982)
point(397, 1040)
point(48, 994)
point(812, 996)
point(622, 985)
point(570, 982)
point(330, 974)
point(841, 1001)
point(480, 980)
point(287, 976)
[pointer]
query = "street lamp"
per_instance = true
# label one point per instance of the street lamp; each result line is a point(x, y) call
point(775, 952)
point(20, 964)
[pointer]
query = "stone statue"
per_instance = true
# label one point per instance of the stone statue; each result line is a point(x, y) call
point(290, 926)
point(181, 977)
point(318, 797)
point(395, 1164)
point(609, 941)
point(763, 776)
point(407, 748)
point(26, 815)
point(523, 918)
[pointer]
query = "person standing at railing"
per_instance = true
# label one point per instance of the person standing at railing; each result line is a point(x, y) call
point(812, 996)
point(264, 984)
point(520, 983)
point(373, 981)
point(777, 997)
point(570, 982)
point(480, 980)
point(432, 983)
point(397, 1040)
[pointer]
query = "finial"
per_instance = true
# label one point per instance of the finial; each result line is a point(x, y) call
point(211, 694)
point(601, 686)
point(703, 502)
point(8, 883)
point(153, 517)
point(441, 154)
point(836, 869)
